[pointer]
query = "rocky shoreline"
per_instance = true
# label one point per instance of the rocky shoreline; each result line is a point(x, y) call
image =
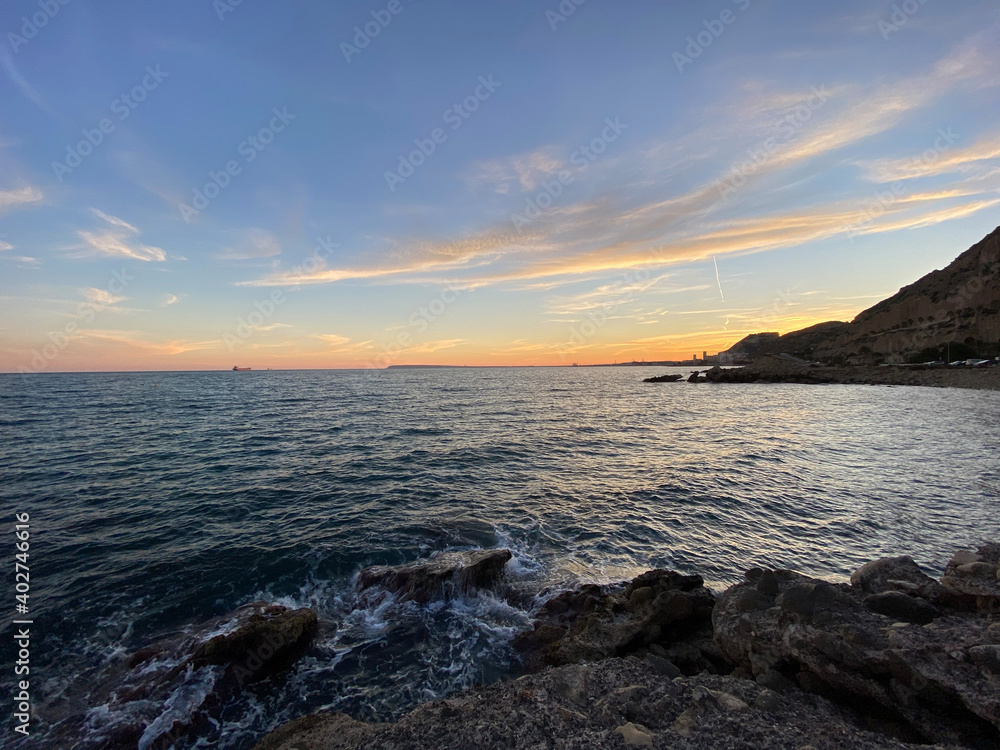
point(772, 369)
point(894, 659)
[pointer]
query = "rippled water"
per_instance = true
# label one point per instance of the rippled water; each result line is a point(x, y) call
point(159, 501)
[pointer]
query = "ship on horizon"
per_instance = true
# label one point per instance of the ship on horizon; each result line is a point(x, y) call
point(237, 368)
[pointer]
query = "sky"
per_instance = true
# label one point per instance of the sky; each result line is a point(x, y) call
point(196, 185)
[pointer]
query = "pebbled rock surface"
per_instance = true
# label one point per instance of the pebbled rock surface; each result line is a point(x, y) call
point(442, 575)
point(662, 614)
point(976, 575)
point(915, 669)
point(615, 703)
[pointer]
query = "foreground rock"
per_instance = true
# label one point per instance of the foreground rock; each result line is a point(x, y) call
point(615, 703)
point(176, 687)
point(443, 575)
point(976, 575)
point(894, 645)
point(661, 613)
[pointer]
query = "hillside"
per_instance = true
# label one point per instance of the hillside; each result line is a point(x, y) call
point(956, 310)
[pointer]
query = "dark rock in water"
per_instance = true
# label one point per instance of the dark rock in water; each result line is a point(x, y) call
point(694, 378)
point(273, 634)
point(208, 667)
point(614, 703)
point(445, 574)
point(922, 682)
point(659, 608)
point(715, 374)
point(663, 379)
point(976, 575)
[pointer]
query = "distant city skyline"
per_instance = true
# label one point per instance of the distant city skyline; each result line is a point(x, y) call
point(200, 185)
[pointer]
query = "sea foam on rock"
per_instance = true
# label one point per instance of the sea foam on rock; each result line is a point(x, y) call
point(176, 686)
point(445, 574)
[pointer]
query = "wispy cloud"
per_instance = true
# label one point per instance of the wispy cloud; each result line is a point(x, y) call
point(647, 224)
point(961, 160)
point(521, 171)
point(256, 243)
point(116, 241)
point(135, 340)
point(343, 344)
point(19, 197)
point(101, 297)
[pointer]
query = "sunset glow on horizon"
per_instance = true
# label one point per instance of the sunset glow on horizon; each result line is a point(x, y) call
point(195, 186)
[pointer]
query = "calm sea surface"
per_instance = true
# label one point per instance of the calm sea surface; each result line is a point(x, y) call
point(159, 501)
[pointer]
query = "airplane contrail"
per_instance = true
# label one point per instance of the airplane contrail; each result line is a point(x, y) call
point(718, 279)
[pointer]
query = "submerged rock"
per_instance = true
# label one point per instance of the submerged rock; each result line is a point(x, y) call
point(445, 574)
point(614, 703)
point(858, 649)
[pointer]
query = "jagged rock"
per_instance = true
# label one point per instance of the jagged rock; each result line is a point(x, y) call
point(658, 608)
point(209, 665)
point(266, 637)
point(445, 574)
point(825, 637)
point(635, 735)
point(325, 731)
point(975, 574)
point(987, 657)
point(902, 607)
point(614, 702)
point(894, 574)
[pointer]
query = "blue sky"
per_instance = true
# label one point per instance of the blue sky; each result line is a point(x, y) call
point(478, 183)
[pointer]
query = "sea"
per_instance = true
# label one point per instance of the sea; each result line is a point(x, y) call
point(159, 501)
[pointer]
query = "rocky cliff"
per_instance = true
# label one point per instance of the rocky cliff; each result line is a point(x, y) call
point(958, 305)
